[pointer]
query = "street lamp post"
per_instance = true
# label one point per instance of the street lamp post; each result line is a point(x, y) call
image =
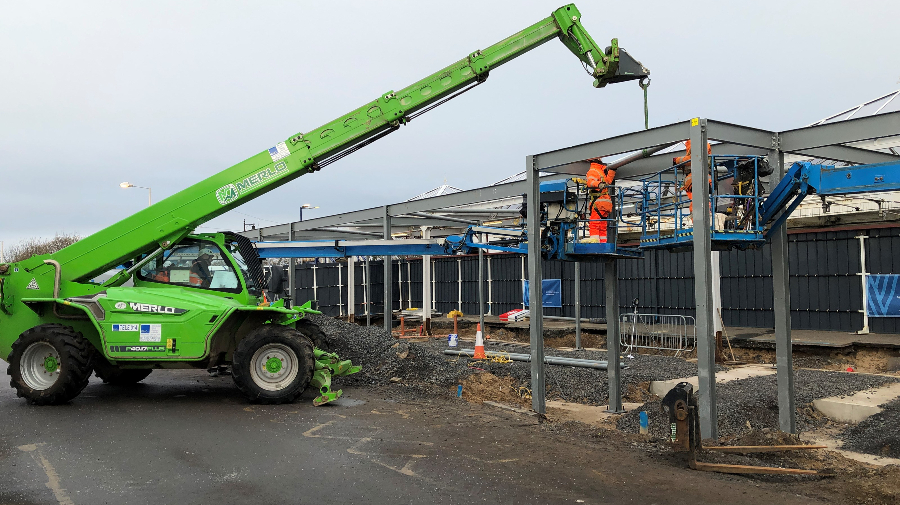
point(126, 185)
point(305, 206)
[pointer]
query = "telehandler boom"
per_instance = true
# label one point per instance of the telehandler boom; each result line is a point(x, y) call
point(187, 300)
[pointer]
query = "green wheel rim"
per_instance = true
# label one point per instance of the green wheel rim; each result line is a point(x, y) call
point(50, 364)
point(273, 365)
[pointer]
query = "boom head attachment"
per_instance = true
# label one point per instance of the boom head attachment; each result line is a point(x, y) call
point(607, 66)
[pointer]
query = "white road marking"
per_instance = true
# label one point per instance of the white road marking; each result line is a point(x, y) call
point(52, 477)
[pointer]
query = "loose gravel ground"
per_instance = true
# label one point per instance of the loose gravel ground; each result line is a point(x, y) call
point(421, 368)
point(424, 364)
point(878, 435)
point(753, 403)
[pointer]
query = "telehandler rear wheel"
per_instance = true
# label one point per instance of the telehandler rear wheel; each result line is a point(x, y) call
point(273, 364)
point(111, 374)
point(50, 364)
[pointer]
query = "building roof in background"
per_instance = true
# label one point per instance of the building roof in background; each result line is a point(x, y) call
point(881, 105)
point(443, 189)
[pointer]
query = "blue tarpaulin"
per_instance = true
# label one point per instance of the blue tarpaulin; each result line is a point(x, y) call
point(551, 293)
point(883, 296)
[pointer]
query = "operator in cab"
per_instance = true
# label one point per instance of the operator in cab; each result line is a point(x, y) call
point(200, 274)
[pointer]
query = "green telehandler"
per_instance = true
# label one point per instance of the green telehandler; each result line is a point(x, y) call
point(194, 300)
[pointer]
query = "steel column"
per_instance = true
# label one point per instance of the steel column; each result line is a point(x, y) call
point(535, 275)
point(292, 281)
point(351, 289)
point(706, 342)
point(865, 288)
point(426, 284)
point(481, 284)
point(367, 296)
point(388, 272)
point(578, 305)
point(611, 283)
point(787, 417)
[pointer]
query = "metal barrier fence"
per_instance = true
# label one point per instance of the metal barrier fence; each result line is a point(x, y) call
point(657, 331)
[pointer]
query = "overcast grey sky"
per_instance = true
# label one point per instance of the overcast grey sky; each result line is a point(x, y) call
point(164, 94)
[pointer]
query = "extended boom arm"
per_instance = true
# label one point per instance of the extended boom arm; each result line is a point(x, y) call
point(168, 221)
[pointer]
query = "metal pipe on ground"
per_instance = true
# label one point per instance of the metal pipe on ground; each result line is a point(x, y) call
point(550, 360)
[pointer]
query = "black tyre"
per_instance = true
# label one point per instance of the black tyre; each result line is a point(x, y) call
point(315, 334)
point(111, 374)
point(273, 364)
point(50, 364)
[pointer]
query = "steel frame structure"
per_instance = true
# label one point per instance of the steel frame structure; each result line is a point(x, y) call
point(824, 141)
point(820, 141)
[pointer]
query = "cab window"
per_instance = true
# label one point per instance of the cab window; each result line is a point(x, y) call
point(193, 263)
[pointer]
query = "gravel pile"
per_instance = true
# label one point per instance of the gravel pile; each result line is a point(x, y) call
point(423, 363)
point(878, 435)
point(753, 403)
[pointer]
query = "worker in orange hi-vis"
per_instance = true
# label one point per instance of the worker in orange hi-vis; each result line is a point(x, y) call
point(688, 186)
point(599, 179)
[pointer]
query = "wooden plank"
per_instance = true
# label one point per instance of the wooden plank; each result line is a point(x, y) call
point(720, 468)
point(743, 449)
point(510, 407)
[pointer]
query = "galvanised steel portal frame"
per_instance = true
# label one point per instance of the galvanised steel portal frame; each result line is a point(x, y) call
point(822, 141)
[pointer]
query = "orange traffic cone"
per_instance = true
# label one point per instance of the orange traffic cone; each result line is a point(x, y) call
point(479, 345)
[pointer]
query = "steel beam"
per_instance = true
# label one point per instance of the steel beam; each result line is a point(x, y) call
point(535, 275)
point(462, 198)
point(737, 134)
point(331, 235)
point(841, 132)
point(388, 272)
point(848, 155)
point(611, 285)
point(337, 219)
point(479, 212)
point(400, 223)
point(706, 345)
point(556, 160)
point(787, 421)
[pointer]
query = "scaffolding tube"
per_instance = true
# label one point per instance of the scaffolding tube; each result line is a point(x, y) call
point(550, 360)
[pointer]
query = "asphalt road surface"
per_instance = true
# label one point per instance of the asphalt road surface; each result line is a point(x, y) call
point(183, 438)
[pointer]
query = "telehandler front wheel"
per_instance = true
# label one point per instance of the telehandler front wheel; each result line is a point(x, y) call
point(273, 364)
point(50, 364)
point(315, 334)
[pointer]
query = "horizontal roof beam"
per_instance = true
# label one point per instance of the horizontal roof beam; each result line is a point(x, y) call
point(739, 135)
point(558, 159)
point(841, 132)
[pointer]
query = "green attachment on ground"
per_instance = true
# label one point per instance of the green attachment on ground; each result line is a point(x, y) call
point(328, 365)
point(322, 380)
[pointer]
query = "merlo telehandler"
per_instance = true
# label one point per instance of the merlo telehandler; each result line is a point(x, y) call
point(183, 299)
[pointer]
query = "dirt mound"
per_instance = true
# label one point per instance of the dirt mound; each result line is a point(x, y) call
point(867, 486)
point(484, 386)
point(638, 393)
point(767, 436)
